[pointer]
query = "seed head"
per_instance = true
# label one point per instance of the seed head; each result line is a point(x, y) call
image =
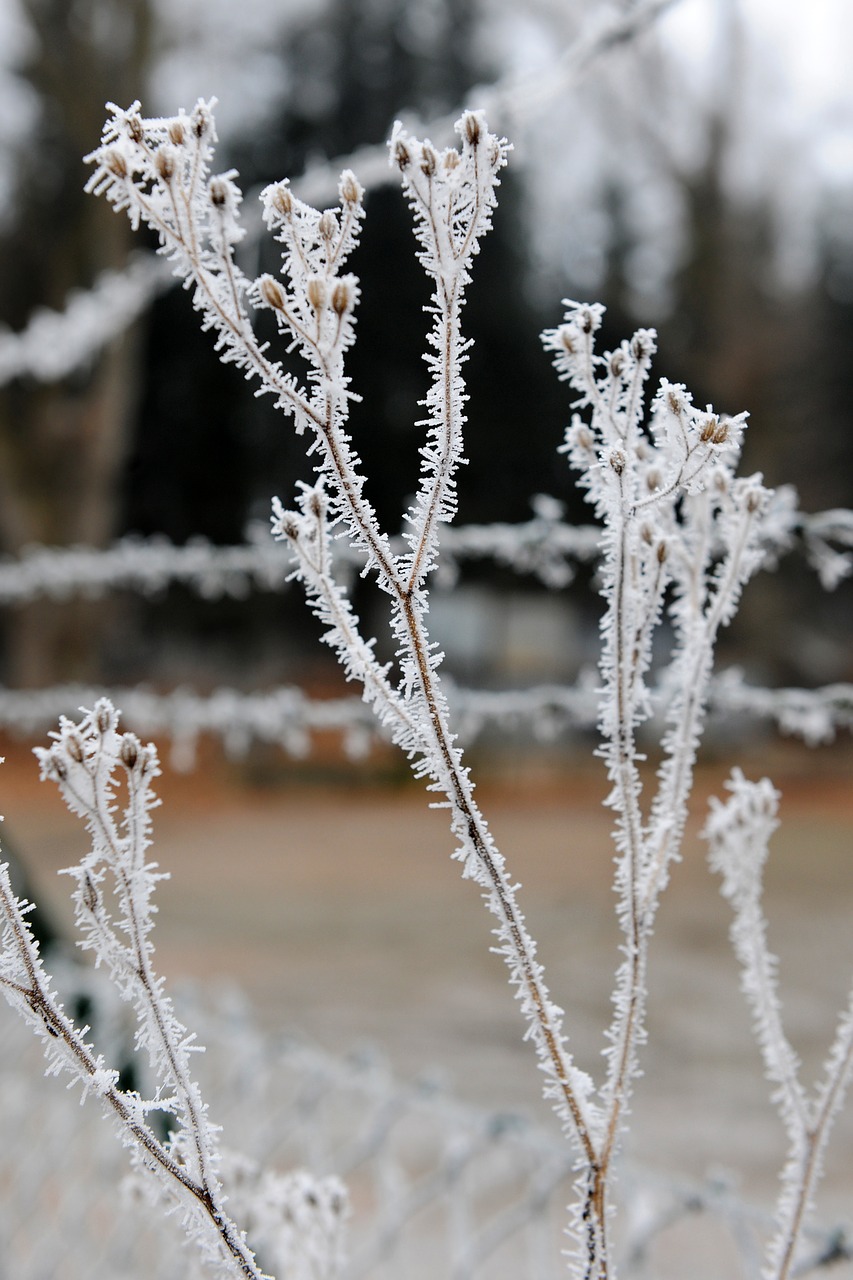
point(587, 320)
point(282, 200)
point(129, 751)
point(402, 155)
point(617, 461)
point(675, 401)
point(350, 189)
point(177, 134)
point(641, 345)
point(272, 293)
point(450, 159)
point(316, 293)
point(328, 225)
point(201, 120)
point(429, 160)
point(342, 298)
point(135, 129)
point(164, 163)
point(74, 747)
point(471, 128)
point(105, 717)
point(218, 192)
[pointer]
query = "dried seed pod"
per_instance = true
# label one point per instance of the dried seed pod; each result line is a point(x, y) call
point(350, 189)
point(471, 128)
point(129, 752)
point(105, 717)
point(328, 225)
point(177, 134)
point(402, 156)
point(617, 461)
point(342, 298)
point(272, 293)
point(164, 164)
point(316, 293)
point(202, 121)
point(282, 200)
point(641, 347)
point(218, 189)
point(429, 160)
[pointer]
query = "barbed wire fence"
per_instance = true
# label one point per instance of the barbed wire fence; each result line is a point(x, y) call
point(545, 548)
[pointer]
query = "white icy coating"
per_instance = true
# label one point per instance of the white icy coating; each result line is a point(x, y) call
point(738, 833)
point(93, 764)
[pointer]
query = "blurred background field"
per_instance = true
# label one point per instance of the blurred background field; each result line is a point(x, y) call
point(338, 912)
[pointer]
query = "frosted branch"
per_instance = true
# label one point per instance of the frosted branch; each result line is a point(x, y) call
point(87, 760)
point(738, 833)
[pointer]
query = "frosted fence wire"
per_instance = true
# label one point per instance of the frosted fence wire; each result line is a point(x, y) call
point(439, 1190)
point(286, 717)
point(545, 547)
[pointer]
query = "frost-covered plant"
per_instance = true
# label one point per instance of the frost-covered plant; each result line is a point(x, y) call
point(101, 772)
point(681, 535)
point(738, 833)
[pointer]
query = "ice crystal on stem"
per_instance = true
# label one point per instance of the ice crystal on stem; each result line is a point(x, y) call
point(680, 533)
point(738, 833)
point(101, 773)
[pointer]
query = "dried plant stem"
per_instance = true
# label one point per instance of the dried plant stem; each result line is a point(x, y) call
point(32, 993)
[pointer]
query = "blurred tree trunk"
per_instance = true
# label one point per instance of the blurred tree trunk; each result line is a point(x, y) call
point(63, 445)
